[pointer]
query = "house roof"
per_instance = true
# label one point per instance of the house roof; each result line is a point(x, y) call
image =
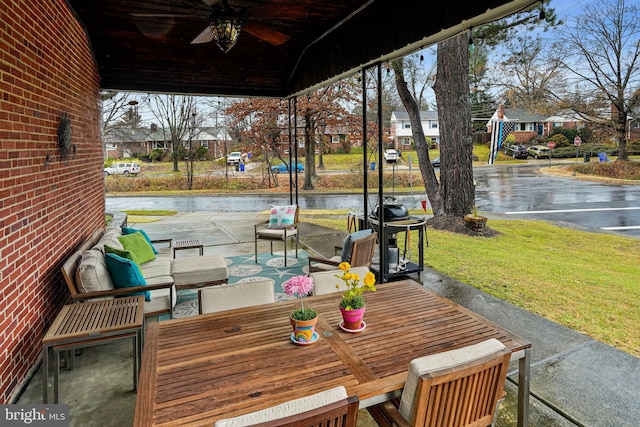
point(523, 115)
point(286, 48)
point(126, 134)
point(424, 115)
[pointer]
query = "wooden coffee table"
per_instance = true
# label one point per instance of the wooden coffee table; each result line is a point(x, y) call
point(177, 245)
point(93, 323)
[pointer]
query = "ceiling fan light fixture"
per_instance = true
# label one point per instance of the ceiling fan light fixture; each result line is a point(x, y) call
point(225, 27)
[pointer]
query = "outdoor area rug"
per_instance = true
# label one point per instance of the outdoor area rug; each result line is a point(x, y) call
point(243, 268)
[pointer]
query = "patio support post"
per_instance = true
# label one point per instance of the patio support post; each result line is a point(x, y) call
point(295, 145)
point(382, 235)
point(365, 166)
point(290, 151)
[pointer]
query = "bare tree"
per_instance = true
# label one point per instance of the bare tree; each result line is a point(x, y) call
point(528, 76)
point(174, 112)
point(113, 104)
point(603, 49)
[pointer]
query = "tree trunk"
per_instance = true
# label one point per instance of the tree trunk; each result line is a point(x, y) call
point(174, 146)
point(454, 117)
point(621, 133)
point(309, 154)
point(422, 148)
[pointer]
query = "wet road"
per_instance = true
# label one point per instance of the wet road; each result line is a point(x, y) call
point(517, 191)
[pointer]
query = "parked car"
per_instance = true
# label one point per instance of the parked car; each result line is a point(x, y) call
point(537, 151)
point(435, 162)
point(125, 169)
point(234, 158)
point(516, 151)
point(283, 167)
point(390, 156)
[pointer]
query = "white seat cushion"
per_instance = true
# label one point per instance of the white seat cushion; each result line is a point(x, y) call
point(199, 269)
point(159, 300)
point(293, 407)
point(236, 295)
point(277, 234)
point(438, 361)
point(324, 282)
point(326, 267)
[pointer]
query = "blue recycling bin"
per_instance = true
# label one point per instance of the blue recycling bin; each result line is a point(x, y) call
point(373, 166)
point(241, 167)
point(603, 157)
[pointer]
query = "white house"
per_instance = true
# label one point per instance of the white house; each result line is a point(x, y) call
point(400, 128)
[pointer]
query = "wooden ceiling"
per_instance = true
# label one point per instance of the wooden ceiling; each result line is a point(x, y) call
point(287, 47)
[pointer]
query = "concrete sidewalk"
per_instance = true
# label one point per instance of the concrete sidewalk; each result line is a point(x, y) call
point(575, 380)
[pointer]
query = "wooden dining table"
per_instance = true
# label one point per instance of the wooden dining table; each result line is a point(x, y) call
point(199, 369)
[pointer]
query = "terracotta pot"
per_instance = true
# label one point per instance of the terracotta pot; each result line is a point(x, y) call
point(352, 319)
point(303, 329)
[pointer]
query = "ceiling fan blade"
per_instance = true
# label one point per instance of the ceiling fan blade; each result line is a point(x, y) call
point(161, 15)
point(280, 11)
point(265, 33)
point(204, 37)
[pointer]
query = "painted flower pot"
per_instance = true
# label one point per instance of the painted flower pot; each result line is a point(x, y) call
point(303, 329)
point(352, 319)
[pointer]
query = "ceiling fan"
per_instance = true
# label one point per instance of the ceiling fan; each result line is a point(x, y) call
point(225, 22)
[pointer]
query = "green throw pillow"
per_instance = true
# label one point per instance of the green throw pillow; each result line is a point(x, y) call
point(126, 274)
point(127, 230)
point(121, 253)
point(137, 244)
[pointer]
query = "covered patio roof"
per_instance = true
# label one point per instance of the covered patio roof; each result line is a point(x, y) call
point(286, 48)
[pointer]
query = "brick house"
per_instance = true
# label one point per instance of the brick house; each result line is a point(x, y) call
point(528, 125)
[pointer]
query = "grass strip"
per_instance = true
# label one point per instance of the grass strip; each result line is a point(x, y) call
point(585, 281)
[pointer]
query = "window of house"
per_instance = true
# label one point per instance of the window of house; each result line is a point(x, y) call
point(205, 144)
point(160, 144)
point(433, 124)
point(405, 141)
point(406, 125)
point(335, 139)
point(636, 124)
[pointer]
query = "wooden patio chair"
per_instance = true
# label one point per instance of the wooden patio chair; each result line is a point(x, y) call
point(328, 408)
point(456, 388)
point(235, 295)
point(359, 254)
point(276, 230)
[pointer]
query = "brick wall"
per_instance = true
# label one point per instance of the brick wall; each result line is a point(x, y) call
point(47, 205)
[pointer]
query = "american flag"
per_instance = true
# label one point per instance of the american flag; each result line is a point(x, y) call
point(499, 132)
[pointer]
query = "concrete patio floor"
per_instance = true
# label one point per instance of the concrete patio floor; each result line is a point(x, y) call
point(575, 380)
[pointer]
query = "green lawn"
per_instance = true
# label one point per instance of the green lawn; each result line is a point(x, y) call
point(586, 281)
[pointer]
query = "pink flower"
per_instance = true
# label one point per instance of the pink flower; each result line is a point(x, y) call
point(298, 285)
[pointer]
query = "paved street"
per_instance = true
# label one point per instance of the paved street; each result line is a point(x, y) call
point(517, 191)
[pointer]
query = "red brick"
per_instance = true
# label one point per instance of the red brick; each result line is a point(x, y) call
point(39, 205)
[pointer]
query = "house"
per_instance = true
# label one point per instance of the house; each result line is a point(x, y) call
point(400, 129)
point(127, 142)
point(124, 142)
point(528, 125)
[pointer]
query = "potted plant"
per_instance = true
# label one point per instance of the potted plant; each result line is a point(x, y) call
point(302, 320)
point(474, 221)
point(353, 304)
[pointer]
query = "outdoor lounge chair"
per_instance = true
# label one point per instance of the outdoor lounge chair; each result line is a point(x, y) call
point(281, 226)
point(456, 388)
point(235, 295)
point(357, 250)
point(330, 407)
